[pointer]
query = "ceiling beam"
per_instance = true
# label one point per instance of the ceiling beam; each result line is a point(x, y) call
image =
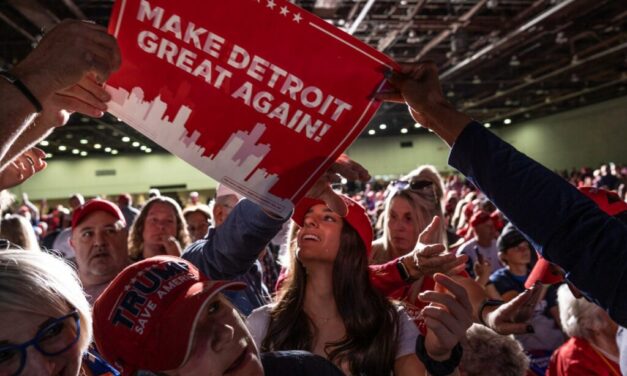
point(496, 46)
point(463, 20)
point(531, 81)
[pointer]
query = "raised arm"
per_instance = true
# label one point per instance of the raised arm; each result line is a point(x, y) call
point(561, 223)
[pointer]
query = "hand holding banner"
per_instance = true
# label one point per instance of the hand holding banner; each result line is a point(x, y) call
point(257, 94)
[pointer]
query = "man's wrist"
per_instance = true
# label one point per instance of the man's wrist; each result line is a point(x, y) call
point(38, 85)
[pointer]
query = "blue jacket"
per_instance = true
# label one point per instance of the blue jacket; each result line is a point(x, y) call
point(230, 251)
point(561, 223)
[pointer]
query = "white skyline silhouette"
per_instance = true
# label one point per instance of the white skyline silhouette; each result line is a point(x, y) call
point(236, 164)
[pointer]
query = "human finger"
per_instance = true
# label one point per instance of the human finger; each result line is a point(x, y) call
point(83, 95)
point(430, 233)
point(390, 96)
point(334, 201)
point(76, 105)
point(455, 288)
point(430, 250)
point(454, 326)
point(89, 84)
point(349, 169)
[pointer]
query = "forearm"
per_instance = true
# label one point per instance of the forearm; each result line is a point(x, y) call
point(16, 113)
point(30, 137)
point(566, 227)
point(234, 246)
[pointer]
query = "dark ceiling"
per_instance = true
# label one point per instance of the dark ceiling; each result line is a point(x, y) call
point(499, 60)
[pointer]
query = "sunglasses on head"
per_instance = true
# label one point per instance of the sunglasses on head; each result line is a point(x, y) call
point(414, 185)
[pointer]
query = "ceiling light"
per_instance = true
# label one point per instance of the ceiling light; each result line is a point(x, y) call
point(417, 125)
point(48, 155)
point(97, 146)
point(84, 141)
point(107, 149)
point(114, 152)
point(83, 153)
point(62, 148)
point(148, 150)
point(372, 132)
point(75, 151)
point(135, 144)
point(382, 126)
point(143, 147)
point(507, 121)
point(44, 143)
point(126, 139)
point(487, 125)
point(404, 130)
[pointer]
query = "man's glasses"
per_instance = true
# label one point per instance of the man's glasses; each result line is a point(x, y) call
point(56, 337)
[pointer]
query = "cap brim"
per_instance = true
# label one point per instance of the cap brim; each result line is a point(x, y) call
point(544, 272)
point(181, 319)
point(302, 208)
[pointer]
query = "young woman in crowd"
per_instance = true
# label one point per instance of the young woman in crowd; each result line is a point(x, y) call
point(328, 306)
point(46, 320)
point(159, 229)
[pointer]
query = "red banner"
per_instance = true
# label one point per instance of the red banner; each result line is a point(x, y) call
point(258, 94)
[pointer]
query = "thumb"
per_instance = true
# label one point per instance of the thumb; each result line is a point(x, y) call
point(511, 328)
point(429, 234)
point(431, 250)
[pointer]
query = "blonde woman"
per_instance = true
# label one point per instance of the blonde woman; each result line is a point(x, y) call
point(46, 318)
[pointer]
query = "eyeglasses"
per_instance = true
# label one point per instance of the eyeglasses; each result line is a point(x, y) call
point(55, 338)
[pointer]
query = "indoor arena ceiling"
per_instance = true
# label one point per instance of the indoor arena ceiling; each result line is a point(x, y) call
point(501, 61)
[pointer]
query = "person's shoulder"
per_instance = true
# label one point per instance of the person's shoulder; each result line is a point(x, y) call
point(499, 274)
point(466, 246)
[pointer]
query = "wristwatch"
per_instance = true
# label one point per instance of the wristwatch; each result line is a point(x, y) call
point(402, 270)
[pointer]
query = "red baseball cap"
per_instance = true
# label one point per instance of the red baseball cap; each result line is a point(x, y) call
point(145, 319)
point(607, 201)
point(549, 273)
point(95, 205)
point(479, 218)
point(356, 217)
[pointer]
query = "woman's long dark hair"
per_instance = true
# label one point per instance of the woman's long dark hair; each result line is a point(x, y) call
point(371, 322)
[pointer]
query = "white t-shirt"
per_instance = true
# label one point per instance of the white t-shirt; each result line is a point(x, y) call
point(259, 320)
point(490, 253)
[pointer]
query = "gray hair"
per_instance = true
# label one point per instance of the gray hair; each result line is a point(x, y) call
point(489, 353)
point(579, 317)
point(39, 283)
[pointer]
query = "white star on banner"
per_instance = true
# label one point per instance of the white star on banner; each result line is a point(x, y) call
point(297, 18)
point(284, 11)
point(271, 4)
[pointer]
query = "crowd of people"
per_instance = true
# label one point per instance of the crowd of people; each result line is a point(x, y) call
point(510, 269)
